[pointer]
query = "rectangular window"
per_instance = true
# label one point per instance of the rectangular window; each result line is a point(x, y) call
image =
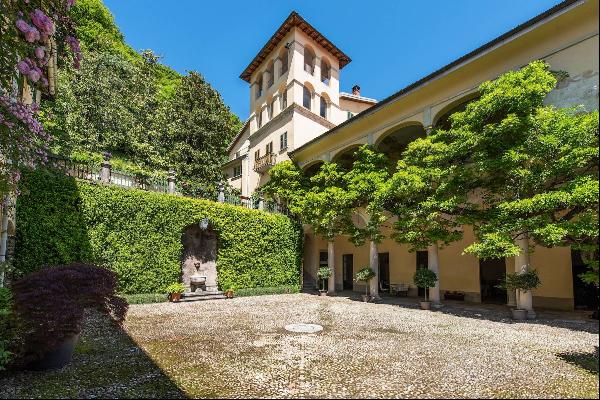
point(283, 141)
point(306, 97)
point(350, 115)
point(269, 148)
point(284, 100)
point(237, 171)
point(257, 154)
point(323, 108)
point(259, 119)
point(323, 258)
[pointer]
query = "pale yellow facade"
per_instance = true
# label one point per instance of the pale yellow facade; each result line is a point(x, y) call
point(566, 37)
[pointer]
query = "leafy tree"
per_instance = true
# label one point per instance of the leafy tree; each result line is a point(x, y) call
point(513, 167)
point(194, 129)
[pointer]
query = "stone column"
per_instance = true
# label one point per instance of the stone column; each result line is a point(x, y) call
point(171, 182)
point(105, 172)
point(221, 194)
point(331, 265)
point(276, 105)
point(374, 265)
point(522, 264)
point(433, 265)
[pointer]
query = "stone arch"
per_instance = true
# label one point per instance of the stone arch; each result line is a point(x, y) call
point(199, 257)
point(345, 157)
point(271, 70)
point(308, 92)
point(441, 119)
point(324, 105)
point(312, 168)
point(395, 141)
point(310, 57)
point(325, 71)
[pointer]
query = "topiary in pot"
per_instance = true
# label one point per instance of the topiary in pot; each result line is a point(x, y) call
point(425, 278)
point(174, 290)
point(49, 305)
point(523, 281)
point(323, 274)
point(365, 275)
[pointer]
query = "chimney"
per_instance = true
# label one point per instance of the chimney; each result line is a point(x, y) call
point(356, 90)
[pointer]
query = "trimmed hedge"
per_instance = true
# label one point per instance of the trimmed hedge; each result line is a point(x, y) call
point(138, 234)
point(260, 291)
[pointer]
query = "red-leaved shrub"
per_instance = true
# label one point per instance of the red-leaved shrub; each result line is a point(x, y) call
point(50, 304)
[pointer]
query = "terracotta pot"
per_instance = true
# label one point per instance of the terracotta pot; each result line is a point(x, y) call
point(174, 297)
point(57, 357)
point(322, 292)
point(518, 315)
point(229, 294)
point(425, 305)
point(366, 298)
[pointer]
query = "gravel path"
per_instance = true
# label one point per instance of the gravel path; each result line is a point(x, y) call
point(238, 348)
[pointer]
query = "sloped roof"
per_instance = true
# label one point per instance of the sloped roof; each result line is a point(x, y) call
point(293, 20)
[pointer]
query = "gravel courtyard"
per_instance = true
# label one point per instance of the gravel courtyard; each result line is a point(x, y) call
point(239, 348)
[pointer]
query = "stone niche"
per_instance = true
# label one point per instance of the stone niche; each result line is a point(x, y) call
point(199, 257)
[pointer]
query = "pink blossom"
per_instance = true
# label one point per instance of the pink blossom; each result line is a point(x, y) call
point(23, 67)
point(23, 26)
point(34, 75)
point(44, 81)
point(42, 21)
point(40, 52)
point(32, 35)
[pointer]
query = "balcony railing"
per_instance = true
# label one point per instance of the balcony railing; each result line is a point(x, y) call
point(265, 162)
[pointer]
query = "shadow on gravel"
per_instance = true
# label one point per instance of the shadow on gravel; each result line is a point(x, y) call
point(586, 361)
point(107, 364)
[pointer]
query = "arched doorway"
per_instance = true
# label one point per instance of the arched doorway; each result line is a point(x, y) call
point(199, 257)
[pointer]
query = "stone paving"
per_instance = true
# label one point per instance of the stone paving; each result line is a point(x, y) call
point(240, 348)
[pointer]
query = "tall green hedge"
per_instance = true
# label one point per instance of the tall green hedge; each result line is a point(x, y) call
point(138, 234)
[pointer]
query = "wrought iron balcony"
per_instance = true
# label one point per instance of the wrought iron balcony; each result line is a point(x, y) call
point(264, 163)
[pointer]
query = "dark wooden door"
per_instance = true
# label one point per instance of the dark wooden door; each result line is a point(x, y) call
point(348, 266)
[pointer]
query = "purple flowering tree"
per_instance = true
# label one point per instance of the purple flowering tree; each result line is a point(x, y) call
point(33, 33)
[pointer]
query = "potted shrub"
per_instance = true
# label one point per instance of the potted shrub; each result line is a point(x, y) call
point(523, 281)
point(425, 278)
point(229, 292)
point(365, 275)
point(323, 274)
point(174, 290)
point(49, 307)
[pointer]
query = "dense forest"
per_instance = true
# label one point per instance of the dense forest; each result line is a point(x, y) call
point(148, 116)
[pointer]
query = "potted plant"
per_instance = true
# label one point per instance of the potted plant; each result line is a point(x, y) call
point(323, 274)
point(365, 275)
point(49, 306)
point(425, 278)
point(523, 281)
point(229, 292)
point(174, 290)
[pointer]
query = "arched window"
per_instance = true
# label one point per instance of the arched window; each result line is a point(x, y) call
point(283, 57)
point(309, 60)
point(306, 97)
point(259, 120)
point(325, 72)
point(259, 87)
point(271, 72)
point(323, 108)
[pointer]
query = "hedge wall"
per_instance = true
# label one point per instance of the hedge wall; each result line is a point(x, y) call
point(138, 234)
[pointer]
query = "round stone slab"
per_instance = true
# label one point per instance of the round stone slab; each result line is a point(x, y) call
point(304, 328)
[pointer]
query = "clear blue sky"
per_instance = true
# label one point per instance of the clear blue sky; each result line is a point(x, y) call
point(391, 43)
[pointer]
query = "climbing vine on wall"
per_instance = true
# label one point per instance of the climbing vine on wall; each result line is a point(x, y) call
point(137, 234)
